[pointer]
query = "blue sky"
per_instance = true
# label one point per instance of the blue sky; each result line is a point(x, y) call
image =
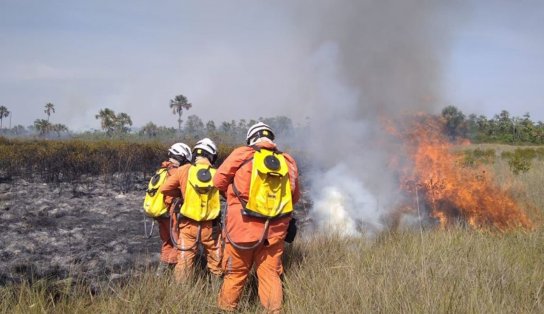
point(232, 59)
point(497, 60)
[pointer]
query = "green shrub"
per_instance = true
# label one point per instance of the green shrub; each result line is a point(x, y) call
point(520, 159)
point(478, 156)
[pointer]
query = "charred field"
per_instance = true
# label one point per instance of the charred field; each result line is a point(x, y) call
point(87, 229)
point(73, 210)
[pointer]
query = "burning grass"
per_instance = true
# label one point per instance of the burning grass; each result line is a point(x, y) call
point(450, 190)
point(451, 271)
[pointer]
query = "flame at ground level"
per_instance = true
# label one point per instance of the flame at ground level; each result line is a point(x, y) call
point(448, 189)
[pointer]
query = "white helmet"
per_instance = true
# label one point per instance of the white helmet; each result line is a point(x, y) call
point(258, 130)
point(206, 147)
point(180, 152)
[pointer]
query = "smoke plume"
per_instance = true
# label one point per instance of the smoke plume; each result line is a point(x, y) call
point(372, 61)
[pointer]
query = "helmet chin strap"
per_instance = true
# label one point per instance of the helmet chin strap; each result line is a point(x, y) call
point(175, 162)
point(199, 158)
point(257, 140)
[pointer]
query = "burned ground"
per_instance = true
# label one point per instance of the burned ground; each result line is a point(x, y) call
point(91, 230)
point(88, 230)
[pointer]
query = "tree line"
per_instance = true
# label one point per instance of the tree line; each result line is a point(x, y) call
point(110, 122)
point(119, 125)
point(40, 126)
point(501, 128)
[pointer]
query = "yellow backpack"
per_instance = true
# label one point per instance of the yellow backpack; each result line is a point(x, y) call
point(270, 188)
point(154, 200)
point(201, 201)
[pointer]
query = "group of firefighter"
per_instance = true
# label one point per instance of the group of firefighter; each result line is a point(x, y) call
point(260, 185)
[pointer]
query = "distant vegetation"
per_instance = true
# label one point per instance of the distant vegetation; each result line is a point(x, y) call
point(119, 126)
point(502, 128)
point(519, 159)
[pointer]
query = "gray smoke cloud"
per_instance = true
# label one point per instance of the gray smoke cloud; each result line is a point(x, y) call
point(371, 60)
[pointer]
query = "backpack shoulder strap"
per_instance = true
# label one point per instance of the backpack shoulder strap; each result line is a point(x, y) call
point(234, 188)
point(258, 149)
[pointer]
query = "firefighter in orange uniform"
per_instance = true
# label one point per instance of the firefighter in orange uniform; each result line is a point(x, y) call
point(178, 155)
point(261, 186)
point(199, 212)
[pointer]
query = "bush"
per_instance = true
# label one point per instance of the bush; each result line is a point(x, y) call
point(479, 156)
point(520, 159)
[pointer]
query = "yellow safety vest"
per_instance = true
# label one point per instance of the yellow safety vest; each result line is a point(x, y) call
point(201, 201)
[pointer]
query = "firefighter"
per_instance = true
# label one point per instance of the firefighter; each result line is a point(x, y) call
point(261, 186)
point(179, 154)
point(200, 211)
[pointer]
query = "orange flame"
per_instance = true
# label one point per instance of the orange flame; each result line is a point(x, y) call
point(449, 189)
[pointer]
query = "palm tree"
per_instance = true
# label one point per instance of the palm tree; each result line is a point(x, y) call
point(49, 107)
point(4, 113)
point(177, 105)
point(59, 128)
point(43, 126)
point(453, 121)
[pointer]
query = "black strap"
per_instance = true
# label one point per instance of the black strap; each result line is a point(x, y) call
point(235, 189)
point(249, 247)
point(258, 149)
point(237, 193)
point(152, 192)
point(176, 245)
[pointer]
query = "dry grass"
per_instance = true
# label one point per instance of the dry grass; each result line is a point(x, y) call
point(437, 271)
point(441, 271)
point(526, 187)
point(67, 160)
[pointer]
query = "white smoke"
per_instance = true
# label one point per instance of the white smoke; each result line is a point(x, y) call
point(344, 206)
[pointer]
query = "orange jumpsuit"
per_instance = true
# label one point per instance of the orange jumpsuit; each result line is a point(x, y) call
point(168, 251)
point(188, 231)
point(246, 230)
